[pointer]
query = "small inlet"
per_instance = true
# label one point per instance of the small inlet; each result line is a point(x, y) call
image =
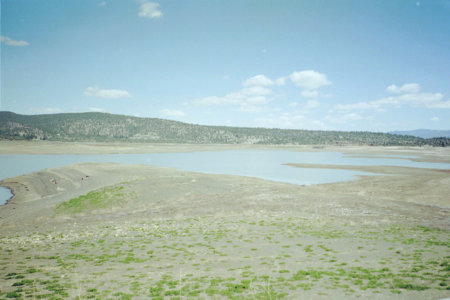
point(5, 195)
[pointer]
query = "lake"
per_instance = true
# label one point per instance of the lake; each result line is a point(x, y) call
point(265, 164)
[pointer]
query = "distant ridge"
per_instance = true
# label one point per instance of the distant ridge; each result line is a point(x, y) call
point(425, 133)
point(103, 127)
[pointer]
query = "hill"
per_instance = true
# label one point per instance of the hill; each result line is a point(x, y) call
point(103, 127)
point(425, 133)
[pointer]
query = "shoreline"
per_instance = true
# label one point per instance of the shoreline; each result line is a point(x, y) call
point(50, 187)
point(422, 154)
point(427, 154)
point(155, 225)
point(11, 191)
point(387, 170)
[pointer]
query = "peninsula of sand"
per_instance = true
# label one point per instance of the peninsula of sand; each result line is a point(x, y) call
point(112, 231)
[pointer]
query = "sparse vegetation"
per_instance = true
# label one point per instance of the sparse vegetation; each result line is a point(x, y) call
point(106, 197)
point(102, 127)
point(155, 259)
point(160, 233)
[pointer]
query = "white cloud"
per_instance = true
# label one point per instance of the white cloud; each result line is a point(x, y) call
point(210, 100)
point(309, 79)
point(258, 80)
point(309, 93)
point(359, 106)
point(96, 109)
point(435, 119)
point(311, 104)
point(250, 99)
point(284, 120)
point(289, 120)
point(406, 88)
point(305, 107)
point(251, 108)
point(172, 113)
point(319, 124)
point(149, 10)
point(47, 110)
point(342, 119)
point(280, 81)
point(102, 4)
point(107, 94)
point(10, 42)
point(256, 91)
point(426, 100)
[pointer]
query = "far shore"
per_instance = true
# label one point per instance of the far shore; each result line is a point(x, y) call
point(426, 153)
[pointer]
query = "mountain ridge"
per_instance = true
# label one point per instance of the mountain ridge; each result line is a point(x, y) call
point(424, 133)
point(104, 127)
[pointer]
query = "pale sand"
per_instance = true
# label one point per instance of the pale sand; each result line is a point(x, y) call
point(230, 229)
point(432, 154)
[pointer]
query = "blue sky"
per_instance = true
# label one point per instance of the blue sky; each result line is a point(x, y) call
point(328, 65)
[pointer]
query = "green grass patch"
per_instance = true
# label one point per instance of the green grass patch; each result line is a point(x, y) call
point(99, 199)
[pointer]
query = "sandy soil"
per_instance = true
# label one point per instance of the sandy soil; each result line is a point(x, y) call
point(432, 154)
point(160, 232)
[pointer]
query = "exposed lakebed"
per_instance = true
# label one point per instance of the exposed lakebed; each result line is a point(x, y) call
point(265, 164)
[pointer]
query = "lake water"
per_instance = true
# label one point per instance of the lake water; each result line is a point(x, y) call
point(265, 164)
point(5, 195)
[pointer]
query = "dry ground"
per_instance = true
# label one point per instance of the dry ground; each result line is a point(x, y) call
point(110, 231)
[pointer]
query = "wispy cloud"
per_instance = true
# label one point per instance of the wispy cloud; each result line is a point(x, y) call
point(102, 4)
point(406, 88)
point(256, 91)
point(258, 80)
point(427, 100)
point(149, 10)
point(305, 107)
point(309, 79)
point(283, 120)
point(409, 96)
point(10, 42)
point(358, 106)
point(172, 113)
point(107, 94)
point(309, 93)
point(252, 98)
point(344, 118)
point(435, 119)
point(96, 109)
point(47, 110)
point(281, 81)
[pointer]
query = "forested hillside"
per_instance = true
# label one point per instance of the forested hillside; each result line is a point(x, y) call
point(102, 127)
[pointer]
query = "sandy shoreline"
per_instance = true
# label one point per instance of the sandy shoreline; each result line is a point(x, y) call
point(430, 154)
point(159, 231)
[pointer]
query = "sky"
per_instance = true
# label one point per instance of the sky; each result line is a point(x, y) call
point(353, 65)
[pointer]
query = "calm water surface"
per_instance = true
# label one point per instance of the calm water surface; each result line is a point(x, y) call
point(5, 194)
point(266, 164)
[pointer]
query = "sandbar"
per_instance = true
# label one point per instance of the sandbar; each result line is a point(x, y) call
point(163, 232)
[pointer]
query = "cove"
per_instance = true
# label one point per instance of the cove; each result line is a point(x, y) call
point(265, 164)
point(5, 195)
